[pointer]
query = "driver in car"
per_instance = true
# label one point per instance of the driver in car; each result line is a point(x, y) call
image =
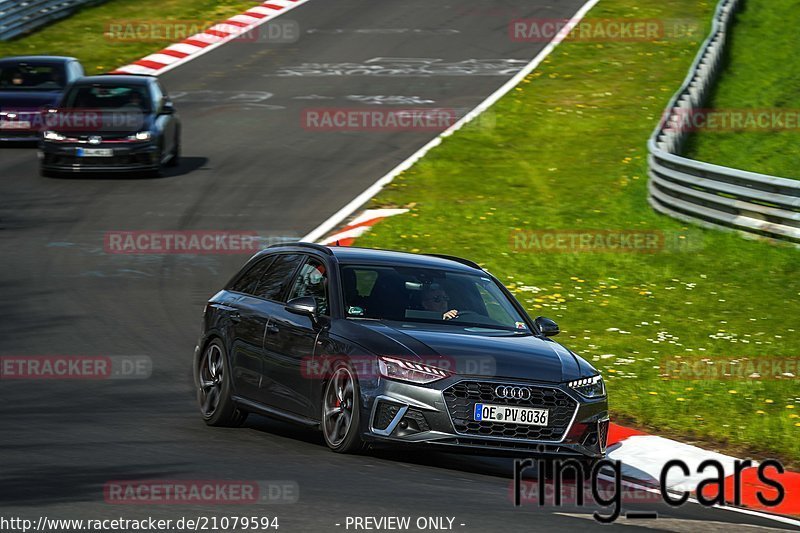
point(434, 298)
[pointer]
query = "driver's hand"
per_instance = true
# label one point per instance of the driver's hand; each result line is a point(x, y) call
point(450, 314)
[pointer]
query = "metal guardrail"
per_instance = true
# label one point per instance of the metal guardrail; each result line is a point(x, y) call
point(18, 17)
point(714, 195)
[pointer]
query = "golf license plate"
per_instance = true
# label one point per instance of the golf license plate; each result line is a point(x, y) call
point(510, 414)
point(95, 152)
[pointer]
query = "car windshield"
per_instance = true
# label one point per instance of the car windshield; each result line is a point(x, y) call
point(113, 97)
point(413, 294)
point(31, 77)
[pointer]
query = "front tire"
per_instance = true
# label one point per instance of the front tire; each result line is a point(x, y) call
point(214, 388)
point(175, 157)
point(341, 411)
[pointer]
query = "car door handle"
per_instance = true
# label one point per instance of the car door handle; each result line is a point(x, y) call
point(273, 329)
point(236, 317)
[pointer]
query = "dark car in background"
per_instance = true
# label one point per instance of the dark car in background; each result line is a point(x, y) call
point(378, 347)
point(29, 85)
point(111, 123)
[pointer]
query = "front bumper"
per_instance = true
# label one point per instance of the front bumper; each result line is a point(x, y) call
point(439, 415)
point(21, 136)
point(127, 157)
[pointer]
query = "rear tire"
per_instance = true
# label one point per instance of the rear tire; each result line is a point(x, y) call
point(214, 388)
point(341, 411)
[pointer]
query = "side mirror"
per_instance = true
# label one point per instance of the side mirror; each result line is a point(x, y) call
point(167, 107)
point(304, 305)
point(547, 327)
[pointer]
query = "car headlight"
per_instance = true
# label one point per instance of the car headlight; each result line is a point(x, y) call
point(409, 371)
point(589, 387)
point(54, 136)
point(141, 136)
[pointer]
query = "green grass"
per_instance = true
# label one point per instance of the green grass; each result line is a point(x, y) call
point(567, 151)
point(83, 35)
point(763, 73)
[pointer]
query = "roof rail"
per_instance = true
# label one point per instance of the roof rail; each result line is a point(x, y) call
point(461, 260)
point(312, 245)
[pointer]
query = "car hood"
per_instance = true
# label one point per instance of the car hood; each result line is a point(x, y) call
point(28, 100)
point(473, 351)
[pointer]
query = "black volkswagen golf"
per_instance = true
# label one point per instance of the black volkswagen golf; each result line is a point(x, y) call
point(378, 347)
point(111, 123)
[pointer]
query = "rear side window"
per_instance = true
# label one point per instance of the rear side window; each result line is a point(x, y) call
point(248, 282)
point(278, 276)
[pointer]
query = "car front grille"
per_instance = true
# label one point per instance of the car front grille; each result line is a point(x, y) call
point(13, 134)
point(462, 397)
point(121, 160)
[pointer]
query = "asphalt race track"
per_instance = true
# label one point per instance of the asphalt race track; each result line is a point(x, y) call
point(248, 164)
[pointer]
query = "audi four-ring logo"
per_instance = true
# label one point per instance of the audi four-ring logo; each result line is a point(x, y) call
point(513, 393)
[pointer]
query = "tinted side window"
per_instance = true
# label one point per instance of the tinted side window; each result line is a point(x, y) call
point(156, 95)
point(248, 282)
point(312, 280)
point(279, 275)
point(77, 70)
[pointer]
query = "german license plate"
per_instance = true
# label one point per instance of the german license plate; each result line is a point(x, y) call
point(18, 125)
point(510, 414)
point(95, 152)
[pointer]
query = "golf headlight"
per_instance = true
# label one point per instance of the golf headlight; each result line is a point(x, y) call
point(54, 136)
point(409, 371)
point(141, 136)
point(589, 387)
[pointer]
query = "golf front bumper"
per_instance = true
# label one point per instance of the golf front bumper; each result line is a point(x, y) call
point(122, 157)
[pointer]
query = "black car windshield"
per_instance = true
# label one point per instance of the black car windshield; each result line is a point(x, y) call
point(31, 77)
point(414, 294)
point(112, 97)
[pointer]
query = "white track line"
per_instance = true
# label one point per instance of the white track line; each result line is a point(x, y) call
point(337, 218)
